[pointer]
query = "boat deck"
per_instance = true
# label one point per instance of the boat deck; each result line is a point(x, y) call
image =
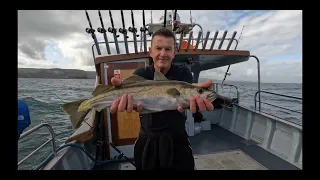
point(228, 150)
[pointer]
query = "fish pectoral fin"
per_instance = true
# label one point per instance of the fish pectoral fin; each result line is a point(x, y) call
point(132, 79)
point(158, 76)
point(173, 92)
point(100, 89)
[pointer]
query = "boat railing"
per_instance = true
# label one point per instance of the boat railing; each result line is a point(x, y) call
point(34, 129)
point(276, 94)
point(230, 85)
point(198, 40)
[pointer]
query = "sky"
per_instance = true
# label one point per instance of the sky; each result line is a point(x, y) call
point(57, 39)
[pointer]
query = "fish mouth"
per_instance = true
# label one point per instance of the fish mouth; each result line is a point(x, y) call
point(212, 96)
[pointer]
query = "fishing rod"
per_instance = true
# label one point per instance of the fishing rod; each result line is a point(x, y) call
point(144, 29)
point(114, 32)
point(165, 18)
point(134, 31)
point(124, 32)
point(174, 22)
point(91, 31)
point(227, 72)
point(103, 30)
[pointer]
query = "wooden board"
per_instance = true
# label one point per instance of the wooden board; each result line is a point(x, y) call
point(128, 125)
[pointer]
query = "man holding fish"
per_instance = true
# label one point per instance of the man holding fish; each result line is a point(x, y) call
point(163, 142)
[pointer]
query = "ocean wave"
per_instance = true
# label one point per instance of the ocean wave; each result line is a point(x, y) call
point(34, 100)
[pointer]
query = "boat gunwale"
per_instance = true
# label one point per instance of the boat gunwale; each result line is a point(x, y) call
point(277, 119)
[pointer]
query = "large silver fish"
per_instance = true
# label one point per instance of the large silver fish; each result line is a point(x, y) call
point(155, 95)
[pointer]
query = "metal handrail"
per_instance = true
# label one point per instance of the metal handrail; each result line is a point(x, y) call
point(231, 85)
point(52, 139)
point(258, 68)
point(259, 92)
point(149, 40)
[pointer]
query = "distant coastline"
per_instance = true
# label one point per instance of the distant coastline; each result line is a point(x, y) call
point(55, 73)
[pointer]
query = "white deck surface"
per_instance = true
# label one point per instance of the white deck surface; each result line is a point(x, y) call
point(227, 160)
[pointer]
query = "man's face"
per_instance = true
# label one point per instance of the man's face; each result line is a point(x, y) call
point(162, 51)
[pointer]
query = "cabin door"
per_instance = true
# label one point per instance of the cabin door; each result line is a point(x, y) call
point(125, 126)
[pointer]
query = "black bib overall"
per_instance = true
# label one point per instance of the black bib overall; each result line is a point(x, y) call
point(163, 142)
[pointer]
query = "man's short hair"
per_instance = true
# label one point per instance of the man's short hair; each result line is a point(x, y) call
point(164, 32)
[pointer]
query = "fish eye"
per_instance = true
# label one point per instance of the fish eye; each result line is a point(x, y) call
point(200, 90)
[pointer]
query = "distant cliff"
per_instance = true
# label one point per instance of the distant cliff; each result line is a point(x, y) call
point(55, 73)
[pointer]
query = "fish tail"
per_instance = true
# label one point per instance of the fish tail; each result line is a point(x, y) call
point(76, 117)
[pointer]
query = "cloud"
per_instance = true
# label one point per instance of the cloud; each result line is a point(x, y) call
point(273, 36)
point(268, 35)
point(33, 49)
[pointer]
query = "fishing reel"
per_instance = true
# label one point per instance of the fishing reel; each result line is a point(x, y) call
point(101, 30)
point(226, 74)
point(133, 30)
point(123, 31)
point(144, 29)
point(90, 30)
point(175, 25)
point(112, 30)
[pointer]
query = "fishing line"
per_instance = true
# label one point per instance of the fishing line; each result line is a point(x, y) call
point(58, 97)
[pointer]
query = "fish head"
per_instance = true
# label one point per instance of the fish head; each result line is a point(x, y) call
point(187, 92)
